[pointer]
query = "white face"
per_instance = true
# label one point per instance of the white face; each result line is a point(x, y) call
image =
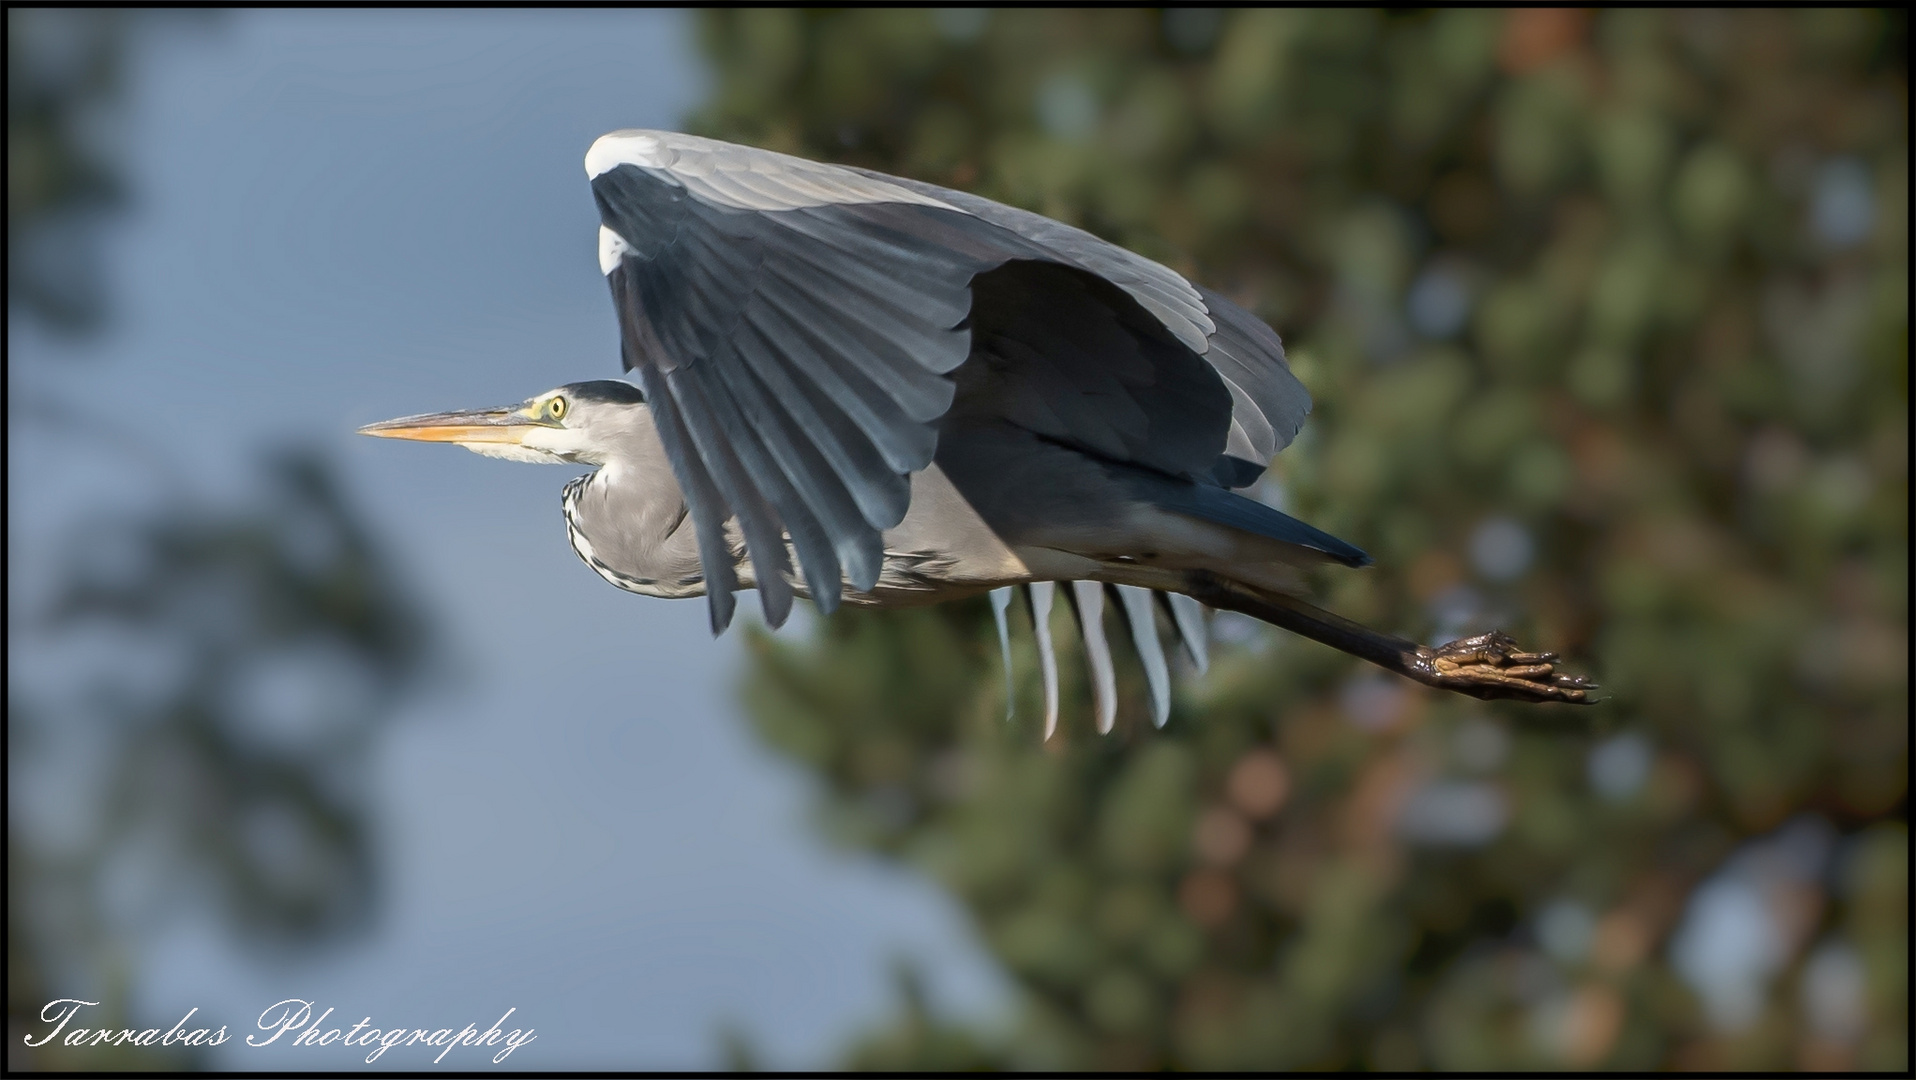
point(543, 443)
point(561, 445)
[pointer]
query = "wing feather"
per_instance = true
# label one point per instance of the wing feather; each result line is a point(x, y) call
point(816, 481)
point(704, 407)
point(703, 502)
point(1188, 614)
point(805, 383)
point(1040, 594)
point(1250, 357)
point(1088, 600)
point(820, 348)
point(816, 405)
point(877, 344)
point(1244, 351)
point(1144, 637)
point(753, 428)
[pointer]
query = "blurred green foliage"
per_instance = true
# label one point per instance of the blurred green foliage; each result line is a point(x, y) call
point(1606, 320)
point(64, 70)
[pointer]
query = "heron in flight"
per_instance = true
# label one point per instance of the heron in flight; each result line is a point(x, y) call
point(865, 389)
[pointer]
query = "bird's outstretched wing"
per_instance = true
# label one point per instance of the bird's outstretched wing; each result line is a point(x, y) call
point(795, 325)
point(1268, 403)
point(793, 335)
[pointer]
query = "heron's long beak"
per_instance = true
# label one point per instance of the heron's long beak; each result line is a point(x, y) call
point(469, 426)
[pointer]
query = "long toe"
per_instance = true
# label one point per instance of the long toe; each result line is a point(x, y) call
point(1494, 666)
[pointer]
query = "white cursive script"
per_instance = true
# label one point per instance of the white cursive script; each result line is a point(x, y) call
point(293, 1014)
point(61, 1010)
point(292, 1018)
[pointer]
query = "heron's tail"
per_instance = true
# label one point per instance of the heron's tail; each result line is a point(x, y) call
point(1215, 504)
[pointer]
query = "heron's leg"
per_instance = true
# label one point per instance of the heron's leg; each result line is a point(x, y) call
point(1000, 602)
point(1041, 594)
point(1144, 635)
point(1487, 666)
point(1089, 597)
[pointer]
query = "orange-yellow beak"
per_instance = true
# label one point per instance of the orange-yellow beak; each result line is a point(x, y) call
point(469, 426)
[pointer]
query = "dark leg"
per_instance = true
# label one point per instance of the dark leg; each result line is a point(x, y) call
point(1487, 666)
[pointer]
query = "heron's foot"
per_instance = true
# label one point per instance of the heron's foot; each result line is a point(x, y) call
point(1492, 666)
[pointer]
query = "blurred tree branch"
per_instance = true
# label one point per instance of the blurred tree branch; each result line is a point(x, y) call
point(64, 76)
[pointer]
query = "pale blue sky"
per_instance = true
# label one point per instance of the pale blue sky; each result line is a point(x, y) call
point(343, 216)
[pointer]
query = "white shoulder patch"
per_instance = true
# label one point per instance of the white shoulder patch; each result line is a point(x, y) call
point(628, 147)
point(744, 177)
point(612, 248)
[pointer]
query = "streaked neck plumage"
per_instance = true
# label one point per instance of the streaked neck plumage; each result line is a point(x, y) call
point(628, 520)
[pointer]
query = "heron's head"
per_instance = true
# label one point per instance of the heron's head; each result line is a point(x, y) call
point(579, 423)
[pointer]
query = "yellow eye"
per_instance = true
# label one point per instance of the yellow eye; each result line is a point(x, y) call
point(556, 408)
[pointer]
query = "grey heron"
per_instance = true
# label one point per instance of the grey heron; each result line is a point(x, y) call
point(861, 388)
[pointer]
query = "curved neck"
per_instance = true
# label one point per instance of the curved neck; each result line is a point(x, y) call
point(628, 520)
